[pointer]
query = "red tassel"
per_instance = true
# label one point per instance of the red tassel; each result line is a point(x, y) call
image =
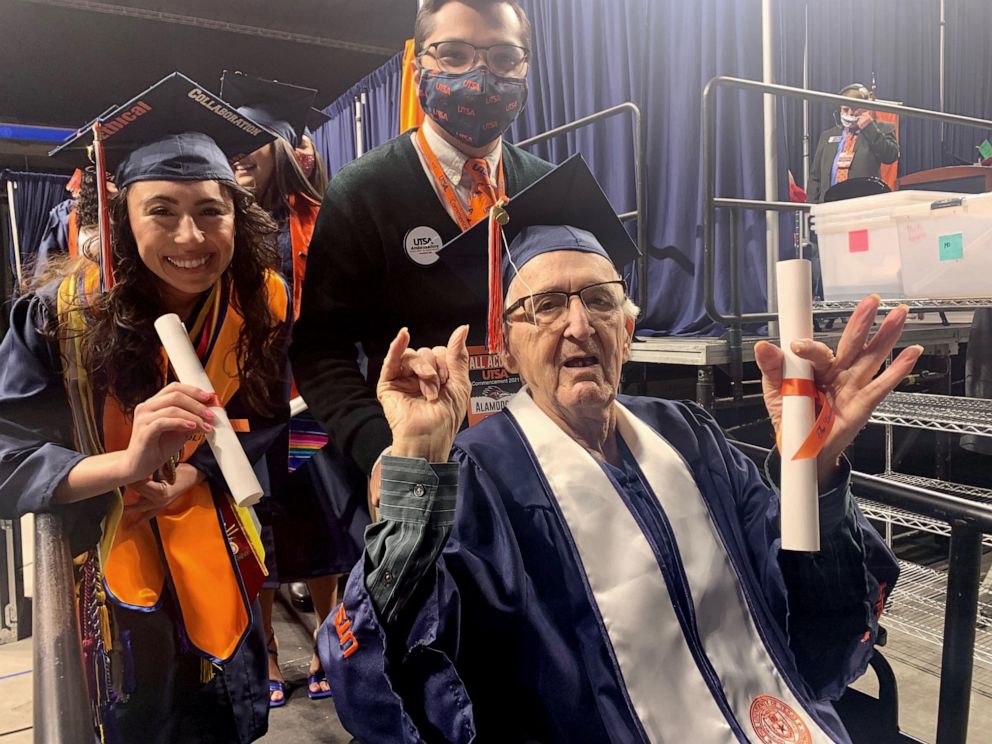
point(494, 324)
point(75, 183)
point(106, 254)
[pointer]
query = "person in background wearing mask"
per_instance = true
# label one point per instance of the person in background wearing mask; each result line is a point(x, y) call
point(855, 148)
point(375, 262)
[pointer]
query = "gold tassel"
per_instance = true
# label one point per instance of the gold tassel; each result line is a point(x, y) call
point(206, 671)
point(108, 638)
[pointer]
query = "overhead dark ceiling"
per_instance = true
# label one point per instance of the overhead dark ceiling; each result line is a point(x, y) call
point(64, 61)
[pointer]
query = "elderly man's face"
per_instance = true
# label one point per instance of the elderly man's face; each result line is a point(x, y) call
point(575, 363)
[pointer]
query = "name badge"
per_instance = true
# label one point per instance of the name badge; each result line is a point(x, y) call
point(423, 245)
point(834, 140)
point(492, 384)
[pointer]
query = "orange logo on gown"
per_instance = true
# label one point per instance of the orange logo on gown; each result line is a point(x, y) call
point(775, 722)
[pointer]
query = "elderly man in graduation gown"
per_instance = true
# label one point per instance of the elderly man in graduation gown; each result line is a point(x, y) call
point(592, 567)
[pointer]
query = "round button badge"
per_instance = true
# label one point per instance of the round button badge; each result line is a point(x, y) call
point(423, 245)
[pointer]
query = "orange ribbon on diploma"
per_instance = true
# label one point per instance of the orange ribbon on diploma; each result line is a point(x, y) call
point(824, 423)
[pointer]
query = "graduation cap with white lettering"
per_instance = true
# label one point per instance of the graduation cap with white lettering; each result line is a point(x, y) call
point(284, 109)
point(174, 131)
point(564, 210)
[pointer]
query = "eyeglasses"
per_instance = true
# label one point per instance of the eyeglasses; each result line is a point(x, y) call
point(506, 60)
point(602, 301)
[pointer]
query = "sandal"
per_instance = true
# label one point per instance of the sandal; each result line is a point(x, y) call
point(276, 686)
point(317, 679)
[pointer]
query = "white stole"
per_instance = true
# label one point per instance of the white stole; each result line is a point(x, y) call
point(665, 686)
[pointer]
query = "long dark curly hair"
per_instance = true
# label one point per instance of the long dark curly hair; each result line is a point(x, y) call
point(120, 346)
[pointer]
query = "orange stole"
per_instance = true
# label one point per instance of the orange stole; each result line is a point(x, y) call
point(411, 114)
point(73, 232)
point(214, 569)
point(302, 218)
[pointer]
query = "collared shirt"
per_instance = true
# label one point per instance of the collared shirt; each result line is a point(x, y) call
point(452, 162)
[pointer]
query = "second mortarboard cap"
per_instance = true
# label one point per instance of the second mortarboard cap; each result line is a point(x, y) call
point(174, 131)
point(316, 119)
point(284, 109)
point(565, 209)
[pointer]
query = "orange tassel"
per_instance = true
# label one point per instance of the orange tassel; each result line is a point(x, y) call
point(494, 321)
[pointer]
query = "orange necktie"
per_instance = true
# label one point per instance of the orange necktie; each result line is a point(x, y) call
point(483, 194)
point(846, 157)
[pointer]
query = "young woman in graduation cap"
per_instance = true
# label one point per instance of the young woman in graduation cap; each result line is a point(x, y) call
point(305, 539)
point(95, 427)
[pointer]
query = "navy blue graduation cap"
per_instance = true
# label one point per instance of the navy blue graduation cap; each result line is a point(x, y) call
point(565, 209)
point(284, 109)
point(175, 131)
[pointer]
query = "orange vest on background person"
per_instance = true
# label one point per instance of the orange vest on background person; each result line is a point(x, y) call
point(73, 233)
point(302, 218)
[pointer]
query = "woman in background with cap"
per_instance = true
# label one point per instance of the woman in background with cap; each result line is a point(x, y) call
point(304, 539)
point(93, 429)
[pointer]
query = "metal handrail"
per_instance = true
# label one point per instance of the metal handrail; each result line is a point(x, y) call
point(640, 178)
point(712, 202)
point(61, 704)
point(969, 521)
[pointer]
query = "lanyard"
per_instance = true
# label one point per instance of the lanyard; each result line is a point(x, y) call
point(463, 218)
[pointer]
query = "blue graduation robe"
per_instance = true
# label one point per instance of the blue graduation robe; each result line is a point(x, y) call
point(502, 641)
point(168, 702)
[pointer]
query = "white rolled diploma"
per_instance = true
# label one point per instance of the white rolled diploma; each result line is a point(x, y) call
point(234, 466)
point(800, 508)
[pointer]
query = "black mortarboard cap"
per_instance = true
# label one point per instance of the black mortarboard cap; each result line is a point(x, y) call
point(568, 196)
point(284, 109)
point(316, 119)
point(174, 131)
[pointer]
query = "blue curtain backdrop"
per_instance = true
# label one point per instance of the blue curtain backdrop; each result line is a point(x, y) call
point(335, 140)
point(34, 196)
point(592, 54)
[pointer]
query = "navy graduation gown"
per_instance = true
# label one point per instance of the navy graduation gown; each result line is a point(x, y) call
point(501, 641)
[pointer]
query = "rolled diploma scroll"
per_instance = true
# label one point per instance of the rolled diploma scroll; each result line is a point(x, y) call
point(800, 509)
point(237, 471)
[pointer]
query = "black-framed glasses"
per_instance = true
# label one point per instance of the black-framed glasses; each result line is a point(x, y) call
point(506, 60)
point(602, 301)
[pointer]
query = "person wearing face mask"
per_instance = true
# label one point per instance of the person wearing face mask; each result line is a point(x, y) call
point(855, 148)
point(375, 260)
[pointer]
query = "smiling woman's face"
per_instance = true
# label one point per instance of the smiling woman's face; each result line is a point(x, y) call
point(185, 234)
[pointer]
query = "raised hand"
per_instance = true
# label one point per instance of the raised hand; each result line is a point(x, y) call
point(162, 424)
point(848, 379)
point(154, 497)
point(424, 394)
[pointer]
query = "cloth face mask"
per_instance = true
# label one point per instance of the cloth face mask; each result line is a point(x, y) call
point(476, 106)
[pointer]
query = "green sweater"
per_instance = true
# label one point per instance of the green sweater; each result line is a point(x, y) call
point(362, 287)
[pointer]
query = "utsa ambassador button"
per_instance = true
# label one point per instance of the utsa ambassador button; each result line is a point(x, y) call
point(422, 245)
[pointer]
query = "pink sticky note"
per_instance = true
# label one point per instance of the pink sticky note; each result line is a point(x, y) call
point(857, 241)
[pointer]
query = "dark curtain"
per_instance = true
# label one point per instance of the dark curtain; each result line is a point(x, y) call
point(335, 141)
point(589, 55)
point(850, 40)
point(34, 196)
point(968, 88)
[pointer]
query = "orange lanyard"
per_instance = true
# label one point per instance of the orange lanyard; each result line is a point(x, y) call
point(461, 216)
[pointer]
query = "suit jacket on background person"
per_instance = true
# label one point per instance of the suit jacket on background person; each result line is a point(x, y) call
point(362, 286)
point(876, 144)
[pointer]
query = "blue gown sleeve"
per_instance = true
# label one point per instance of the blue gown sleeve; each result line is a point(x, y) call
point(36, 439)
point(828, 603)
point(403, 682)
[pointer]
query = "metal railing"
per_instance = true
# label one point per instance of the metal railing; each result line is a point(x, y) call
point(968, 522)
point(61, 703)
point(734, 318)
point(640, 178)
